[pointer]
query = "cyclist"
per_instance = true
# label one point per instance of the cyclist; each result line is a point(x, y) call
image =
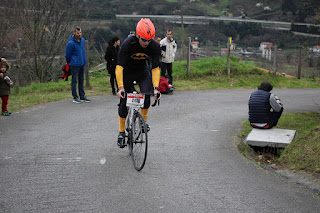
point(132, 66)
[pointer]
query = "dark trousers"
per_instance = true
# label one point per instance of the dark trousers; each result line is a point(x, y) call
point(112, 80)
point(5, 99)
point(275, 116)
point(77, 77)
point(145, 87)
point(167, 67)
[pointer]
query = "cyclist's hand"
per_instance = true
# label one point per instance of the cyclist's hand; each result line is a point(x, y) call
point(121, 93)
point(156, 96)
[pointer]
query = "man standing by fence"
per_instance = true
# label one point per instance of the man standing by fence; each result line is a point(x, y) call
point(169, 48)
point(76, 58)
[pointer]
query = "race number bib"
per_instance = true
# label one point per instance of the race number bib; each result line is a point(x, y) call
point(136, 100)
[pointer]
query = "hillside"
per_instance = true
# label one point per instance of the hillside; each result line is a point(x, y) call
point(283, 10)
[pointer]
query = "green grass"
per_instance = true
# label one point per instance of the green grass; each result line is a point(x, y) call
point(204, 74)
point(303, 152)
point(212, 74)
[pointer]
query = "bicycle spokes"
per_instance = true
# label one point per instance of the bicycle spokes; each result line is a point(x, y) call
point(139, 142)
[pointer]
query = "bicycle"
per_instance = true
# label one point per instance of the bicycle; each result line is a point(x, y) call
point(136, 133)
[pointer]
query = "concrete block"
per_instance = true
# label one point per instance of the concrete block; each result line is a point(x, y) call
point(278, 138)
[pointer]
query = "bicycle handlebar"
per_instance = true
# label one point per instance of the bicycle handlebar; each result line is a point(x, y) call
point(148, 93)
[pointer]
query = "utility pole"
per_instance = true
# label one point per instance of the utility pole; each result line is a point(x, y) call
point(275, 61)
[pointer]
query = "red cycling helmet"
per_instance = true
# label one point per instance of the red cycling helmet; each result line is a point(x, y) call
point(145, 29)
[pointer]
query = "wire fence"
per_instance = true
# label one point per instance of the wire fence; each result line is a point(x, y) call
point(287, 61)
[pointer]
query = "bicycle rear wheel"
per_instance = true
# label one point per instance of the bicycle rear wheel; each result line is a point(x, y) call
point(139, 141)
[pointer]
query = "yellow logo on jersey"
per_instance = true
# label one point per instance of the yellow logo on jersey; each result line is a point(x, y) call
point(139, 56)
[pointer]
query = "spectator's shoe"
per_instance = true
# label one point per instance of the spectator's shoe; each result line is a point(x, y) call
point(77, 101)
point(5, 113)
point(121, 138)
point(148, 128)
point(85, 99)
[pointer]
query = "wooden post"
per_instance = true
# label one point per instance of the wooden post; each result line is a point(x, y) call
point(88, 86)
point(228, 57)
point(275, 61)
point(300, 63)
point(188, 59)
point(182, 37)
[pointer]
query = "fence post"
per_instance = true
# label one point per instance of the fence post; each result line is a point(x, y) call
point(300, 63)
point(87, 66)
point(228, 57)
point(275, 61)
point(189, 53)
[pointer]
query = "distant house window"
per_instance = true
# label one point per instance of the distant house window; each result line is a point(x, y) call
point(267, 8)
point(316, 49)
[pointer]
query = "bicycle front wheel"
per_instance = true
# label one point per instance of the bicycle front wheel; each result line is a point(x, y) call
point(139, 141)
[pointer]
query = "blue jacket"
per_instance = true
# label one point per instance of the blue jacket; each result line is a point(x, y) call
point(259, 107)
point(75, 52)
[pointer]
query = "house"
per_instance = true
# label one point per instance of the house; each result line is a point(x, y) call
point(265, 47)
point(267, 8)
point(315, 49)
point(195, 45)
point(224, 51)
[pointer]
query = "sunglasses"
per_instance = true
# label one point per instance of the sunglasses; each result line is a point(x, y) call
point(145, 40)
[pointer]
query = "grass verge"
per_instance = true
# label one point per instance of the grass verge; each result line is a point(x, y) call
point(302, 153)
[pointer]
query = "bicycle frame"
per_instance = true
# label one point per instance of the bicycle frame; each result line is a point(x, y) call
point(136, 130)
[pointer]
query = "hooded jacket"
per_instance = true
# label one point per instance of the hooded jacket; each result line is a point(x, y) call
point(163, 84)
point(75, 52)
point(169, 49)
point(111, 57)
point(4, 85)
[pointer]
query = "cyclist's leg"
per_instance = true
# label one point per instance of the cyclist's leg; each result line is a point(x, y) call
point(123, 112)
point(146, 87)
point(122, 109)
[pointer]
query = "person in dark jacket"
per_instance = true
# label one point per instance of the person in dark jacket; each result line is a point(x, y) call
point(265, 109)
point(5, 84)
point(111, 57)
point(76, 58)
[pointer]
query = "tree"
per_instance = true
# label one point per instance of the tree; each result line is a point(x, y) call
point(45, 26)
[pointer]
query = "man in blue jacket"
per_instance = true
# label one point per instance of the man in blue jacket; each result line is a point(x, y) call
point(76, 58)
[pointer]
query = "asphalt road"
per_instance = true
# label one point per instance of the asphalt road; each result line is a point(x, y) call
point(63, 157)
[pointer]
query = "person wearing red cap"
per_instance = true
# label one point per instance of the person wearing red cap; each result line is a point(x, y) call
point(132, 66)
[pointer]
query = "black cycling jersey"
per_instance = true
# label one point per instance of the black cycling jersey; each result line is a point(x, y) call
point(132, 57)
